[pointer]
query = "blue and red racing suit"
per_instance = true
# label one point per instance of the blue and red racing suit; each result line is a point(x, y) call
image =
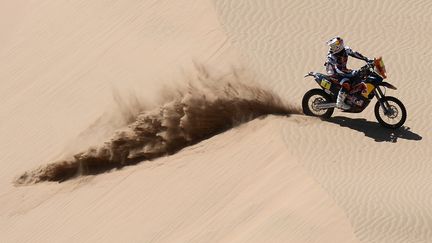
point(336, 66)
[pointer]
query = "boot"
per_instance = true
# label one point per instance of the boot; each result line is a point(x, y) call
point(340, 102)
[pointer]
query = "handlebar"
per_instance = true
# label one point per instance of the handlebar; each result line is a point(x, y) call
point(363, 71)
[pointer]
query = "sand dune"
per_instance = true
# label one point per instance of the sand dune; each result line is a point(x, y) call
point(68, 70)
point(379, 177)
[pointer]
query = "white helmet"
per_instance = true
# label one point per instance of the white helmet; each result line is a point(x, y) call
point(336, 44)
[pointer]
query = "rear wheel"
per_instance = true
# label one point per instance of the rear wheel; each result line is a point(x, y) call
point(396, 113)
point(314, 97)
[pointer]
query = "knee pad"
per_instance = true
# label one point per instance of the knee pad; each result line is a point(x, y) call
point(345, 84)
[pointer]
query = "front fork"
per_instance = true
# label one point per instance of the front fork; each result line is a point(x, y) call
point(384, 104)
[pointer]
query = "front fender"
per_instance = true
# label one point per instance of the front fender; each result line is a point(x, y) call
point(387, 85)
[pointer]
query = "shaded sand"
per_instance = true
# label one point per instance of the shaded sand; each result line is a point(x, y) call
point(231, 188)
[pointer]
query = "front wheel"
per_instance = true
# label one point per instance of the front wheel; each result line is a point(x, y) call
point(395, 115)
point(314, 97)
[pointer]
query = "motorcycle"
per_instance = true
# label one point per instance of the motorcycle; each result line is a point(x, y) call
point(368, 83)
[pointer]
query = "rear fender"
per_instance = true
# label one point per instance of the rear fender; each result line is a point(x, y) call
point(310, 74)
point(317, 77)
point(329, 86)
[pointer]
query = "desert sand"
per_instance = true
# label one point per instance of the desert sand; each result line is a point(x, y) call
point(76, 74)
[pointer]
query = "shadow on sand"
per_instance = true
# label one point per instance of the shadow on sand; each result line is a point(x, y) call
point(374, 130)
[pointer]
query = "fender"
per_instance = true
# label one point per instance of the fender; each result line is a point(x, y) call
point(388, 85)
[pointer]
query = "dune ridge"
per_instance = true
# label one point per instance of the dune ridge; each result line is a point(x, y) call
point(208, 105)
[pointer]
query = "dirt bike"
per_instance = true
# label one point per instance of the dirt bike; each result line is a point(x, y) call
point(366, 84)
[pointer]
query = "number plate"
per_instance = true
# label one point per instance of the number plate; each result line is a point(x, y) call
point(325, 84)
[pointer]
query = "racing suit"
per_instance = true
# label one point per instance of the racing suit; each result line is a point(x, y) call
point(336, 67)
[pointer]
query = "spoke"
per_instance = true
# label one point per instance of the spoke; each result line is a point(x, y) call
point(395, 115)
point(315, 100)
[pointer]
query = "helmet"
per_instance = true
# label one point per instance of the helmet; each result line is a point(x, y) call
point(336, 44)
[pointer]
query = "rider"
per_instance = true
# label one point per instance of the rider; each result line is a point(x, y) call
point(337, 58)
